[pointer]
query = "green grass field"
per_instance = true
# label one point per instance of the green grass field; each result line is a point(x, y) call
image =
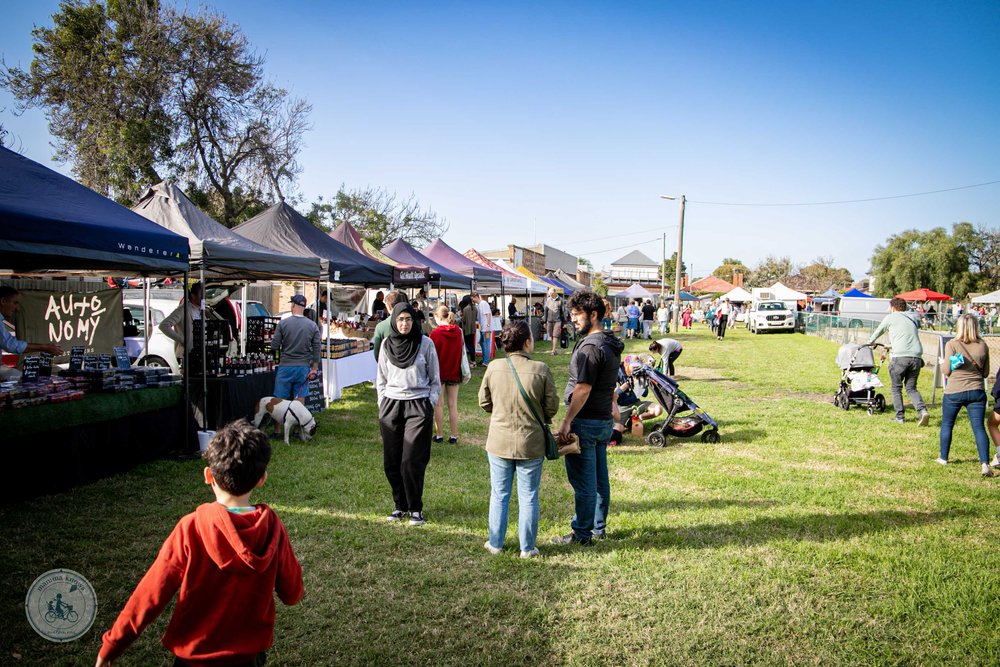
point(808, 535)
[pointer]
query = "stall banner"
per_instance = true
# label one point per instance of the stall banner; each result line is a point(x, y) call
point(92, 320)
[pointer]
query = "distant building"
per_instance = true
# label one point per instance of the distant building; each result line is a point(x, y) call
point(635, 267)
point(519, 256)
point(710, 285)
point(556, 259)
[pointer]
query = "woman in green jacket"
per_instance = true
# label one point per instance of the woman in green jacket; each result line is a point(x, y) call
point(516, 442)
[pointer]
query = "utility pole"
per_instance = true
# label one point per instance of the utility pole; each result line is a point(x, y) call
point(680, 262)
point(663, 268)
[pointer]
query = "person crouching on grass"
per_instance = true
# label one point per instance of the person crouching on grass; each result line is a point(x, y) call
point(227, 558)
point(408, 385)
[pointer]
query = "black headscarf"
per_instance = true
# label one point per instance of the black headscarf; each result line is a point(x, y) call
point(402, 350)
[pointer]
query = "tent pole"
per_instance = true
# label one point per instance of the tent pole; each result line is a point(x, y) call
point(187, 374)
point(204, 359)
point(243, 322)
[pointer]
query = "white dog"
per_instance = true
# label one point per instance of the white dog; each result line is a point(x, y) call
point(293, 414)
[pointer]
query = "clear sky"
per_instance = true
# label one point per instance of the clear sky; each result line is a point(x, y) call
point(563, 122)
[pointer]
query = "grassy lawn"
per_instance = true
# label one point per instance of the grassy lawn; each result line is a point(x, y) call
point(808, 535)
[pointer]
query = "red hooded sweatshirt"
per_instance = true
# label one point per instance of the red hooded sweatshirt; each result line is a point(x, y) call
point(227, 567)
point(450, 345)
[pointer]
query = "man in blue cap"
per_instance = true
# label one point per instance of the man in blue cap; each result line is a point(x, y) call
point(297, 340)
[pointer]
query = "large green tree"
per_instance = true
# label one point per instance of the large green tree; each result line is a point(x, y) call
point(933, 259)
point(668, 270)
point(769, 270)
point(380, 216)
point(729, 266)
point(823, 274)
point(135, 91)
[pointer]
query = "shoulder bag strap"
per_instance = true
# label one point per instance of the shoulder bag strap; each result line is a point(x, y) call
point(524, 394)
point(967, 355)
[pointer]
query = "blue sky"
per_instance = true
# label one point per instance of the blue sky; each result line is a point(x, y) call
point(564, 122)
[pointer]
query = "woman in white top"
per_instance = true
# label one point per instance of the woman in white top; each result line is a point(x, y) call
point(662, 315)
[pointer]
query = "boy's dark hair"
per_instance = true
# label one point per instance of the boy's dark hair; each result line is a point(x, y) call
point(514, 336)
point(587, 302)
point(897, 304)
point(654, 347)
point(6, 292)
point(238, 455)
point(392, 298)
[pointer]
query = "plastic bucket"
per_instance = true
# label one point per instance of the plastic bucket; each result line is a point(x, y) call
point(203, 438)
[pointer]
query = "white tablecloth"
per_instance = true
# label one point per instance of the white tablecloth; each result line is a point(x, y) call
point(352, 370)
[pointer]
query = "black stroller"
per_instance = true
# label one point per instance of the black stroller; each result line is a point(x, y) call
point(674, 403)
point(859, 377)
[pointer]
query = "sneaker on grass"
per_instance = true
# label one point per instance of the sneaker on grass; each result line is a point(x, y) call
point(996, 460)
point(417, 519)
point(988, 471)
point(397, 515)
point(925, 418)
point(492, 549)
point(942, 461)
point(530, 554)
point(572, 538)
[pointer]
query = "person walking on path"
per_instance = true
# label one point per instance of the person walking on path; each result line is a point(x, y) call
point(686, 317)
point(384, 328)
point(907, 358)
point(634, 313)
point(593, 374)
point(468, 315)
point(484, 317)
point(723, 319)
point(408, 385)
point(450, 347)
point(515, 442)
point(553, 318)
point(663, 318)
point(648, 314)
point(966, 364)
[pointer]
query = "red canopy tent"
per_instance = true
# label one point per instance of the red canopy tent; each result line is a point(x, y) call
point(923, 294)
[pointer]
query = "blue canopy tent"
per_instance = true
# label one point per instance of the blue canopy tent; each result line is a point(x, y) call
point(855, 292)
point(828, 296)
point(49, 221)
point(441, 276)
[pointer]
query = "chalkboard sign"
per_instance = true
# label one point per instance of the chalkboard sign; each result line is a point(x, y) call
point(44, 364)
point(121, 358)
point(76, 357)
point(104, 362)
point(29, 369)
point(315, 401)
point(89, 362)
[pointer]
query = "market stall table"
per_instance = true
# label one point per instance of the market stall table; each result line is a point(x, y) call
point(231, 397)
point(348, 371)
point(54, 447)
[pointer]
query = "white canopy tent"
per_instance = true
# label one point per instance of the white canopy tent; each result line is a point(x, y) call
point(737, 295)
point(783, 293)
point(992, 297)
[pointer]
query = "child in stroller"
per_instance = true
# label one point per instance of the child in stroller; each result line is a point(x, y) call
point(859, 377)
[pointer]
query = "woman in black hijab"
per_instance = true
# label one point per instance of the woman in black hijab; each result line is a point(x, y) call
point(408, 385)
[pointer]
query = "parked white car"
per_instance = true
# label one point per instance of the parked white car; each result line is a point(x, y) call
point(161, 347)
point(770, 316)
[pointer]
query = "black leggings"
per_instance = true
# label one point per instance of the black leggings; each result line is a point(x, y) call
point(671, 358)
point(406, 427)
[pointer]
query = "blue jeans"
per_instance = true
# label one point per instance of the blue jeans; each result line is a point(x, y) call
point(485, 338)
point(529, 477)
point(588, 475)
point(975, 404)
point(291, 381)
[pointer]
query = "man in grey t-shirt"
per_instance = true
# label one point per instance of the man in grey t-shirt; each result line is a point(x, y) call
point(297, 339)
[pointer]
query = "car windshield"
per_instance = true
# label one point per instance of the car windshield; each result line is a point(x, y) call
point(771, 305)
point(256, 309)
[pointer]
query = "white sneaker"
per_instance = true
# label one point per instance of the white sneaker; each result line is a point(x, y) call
point(996, 460)
point(492, 549)
point(943, 462)
point(988, 471)
point(397, 515)
point(534, 553)
point(925, 418)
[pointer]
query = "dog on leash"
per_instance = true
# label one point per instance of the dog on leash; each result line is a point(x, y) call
point(291, 414)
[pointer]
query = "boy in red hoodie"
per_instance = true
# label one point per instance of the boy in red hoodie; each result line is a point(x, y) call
point(226, 558)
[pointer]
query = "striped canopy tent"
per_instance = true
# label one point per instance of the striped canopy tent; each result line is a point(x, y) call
point(513, 281)
point(551, 277)
point(441, 276)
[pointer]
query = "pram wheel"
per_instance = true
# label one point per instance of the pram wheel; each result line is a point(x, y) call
point(656, 439)
point(871, 410)
point(879, 403)
point(711, 437)
point(844, 402)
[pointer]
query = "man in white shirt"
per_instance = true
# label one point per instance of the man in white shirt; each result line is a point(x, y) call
point(485, 321)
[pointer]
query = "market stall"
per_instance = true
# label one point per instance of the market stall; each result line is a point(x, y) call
point(95, 418)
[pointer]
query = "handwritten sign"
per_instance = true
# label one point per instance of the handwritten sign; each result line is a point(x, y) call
point(89, 362)
point(76, 357)
point(103, 362)
point(92, 320)
point(29, 369)
point(315, 401)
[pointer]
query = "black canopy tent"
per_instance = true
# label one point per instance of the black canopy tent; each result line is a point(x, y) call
point(51, 224)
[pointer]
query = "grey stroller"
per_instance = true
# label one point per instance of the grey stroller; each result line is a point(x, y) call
point(859, 377)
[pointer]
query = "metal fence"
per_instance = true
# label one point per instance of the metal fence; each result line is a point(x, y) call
point(855, 330)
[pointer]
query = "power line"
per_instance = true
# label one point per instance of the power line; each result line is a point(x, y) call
point(616, 236)
point(847, 201)
point(630, 245)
